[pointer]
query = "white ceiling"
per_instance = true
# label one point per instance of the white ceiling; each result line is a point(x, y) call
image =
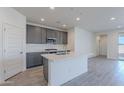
point(91, 19)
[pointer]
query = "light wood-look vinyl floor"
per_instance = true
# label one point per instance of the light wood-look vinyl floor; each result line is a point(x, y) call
point(101, 72)
point(31, 77)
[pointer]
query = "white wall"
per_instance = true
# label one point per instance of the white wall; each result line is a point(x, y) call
point(42, 47)
point(85, 42)
point(11, 16)
point(112, 51)
point(71, 37)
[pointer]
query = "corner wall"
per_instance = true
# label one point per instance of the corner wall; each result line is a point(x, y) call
point(71, 37)
point(112, 51)
point(85, 42)
point(82, 41)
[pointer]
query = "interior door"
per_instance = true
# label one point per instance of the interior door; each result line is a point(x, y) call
point(103, 45)
point(13, 58)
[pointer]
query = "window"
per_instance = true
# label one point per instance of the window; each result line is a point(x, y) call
point(121, 40)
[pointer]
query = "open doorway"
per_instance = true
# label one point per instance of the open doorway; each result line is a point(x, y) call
point(102, 45)
point(121, 45)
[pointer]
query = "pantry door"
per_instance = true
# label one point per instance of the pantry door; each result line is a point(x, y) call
point(13, 52)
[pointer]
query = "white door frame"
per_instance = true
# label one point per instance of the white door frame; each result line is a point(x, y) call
point(1, 58)
point(101, 45)
point(2, 78)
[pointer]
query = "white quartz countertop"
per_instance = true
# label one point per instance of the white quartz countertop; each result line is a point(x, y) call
point(54, 57)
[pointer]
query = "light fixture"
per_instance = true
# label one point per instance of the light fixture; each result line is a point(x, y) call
point(42, 19)
point(52, 8)
point(112, 18)
point(77, 18)
point(64, 25)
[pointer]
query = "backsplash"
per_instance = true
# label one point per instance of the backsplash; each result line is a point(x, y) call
point(42, 47)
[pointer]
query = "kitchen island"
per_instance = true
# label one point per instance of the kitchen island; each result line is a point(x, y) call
point(59, 69)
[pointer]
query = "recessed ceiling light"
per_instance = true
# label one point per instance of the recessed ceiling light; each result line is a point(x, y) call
point(112, 18)
point(52, 8)
point(77, 18)
point(119, 26)
point(64, 25)
point(42, 19)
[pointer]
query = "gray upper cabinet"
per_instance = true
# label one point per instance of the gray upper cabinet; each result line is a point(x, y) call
point(44, 35)
point(65, 37)
point(51, 33)
point(40, 35)
point(34, 34)
point(57, 37)
point(61, 37)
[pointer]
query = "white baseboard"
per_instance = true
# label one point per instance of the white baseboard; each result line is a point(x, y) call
point(91, 55)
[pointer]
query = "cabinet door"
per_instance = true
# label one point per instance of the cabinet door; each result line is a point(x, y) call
point(45, 68)
point(51, 33)
point(34, 34)
point(44, 37)
point(58, 40)
point(29, 60)
point(60, 37)
point(37, 59)
point(34, 59)
point(65, 37)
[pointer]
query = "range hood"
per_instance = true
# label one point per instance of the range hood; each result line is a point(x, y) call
point(51, 40)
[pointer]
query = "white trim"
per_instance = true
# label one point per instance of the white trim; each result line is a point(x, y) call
point(91, 55)
point(24, 49)
point(1, 63)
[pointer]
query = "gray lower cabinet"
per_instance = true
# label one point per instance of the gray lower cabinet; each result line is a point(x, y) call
point(45, 68)
point(34, 59)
